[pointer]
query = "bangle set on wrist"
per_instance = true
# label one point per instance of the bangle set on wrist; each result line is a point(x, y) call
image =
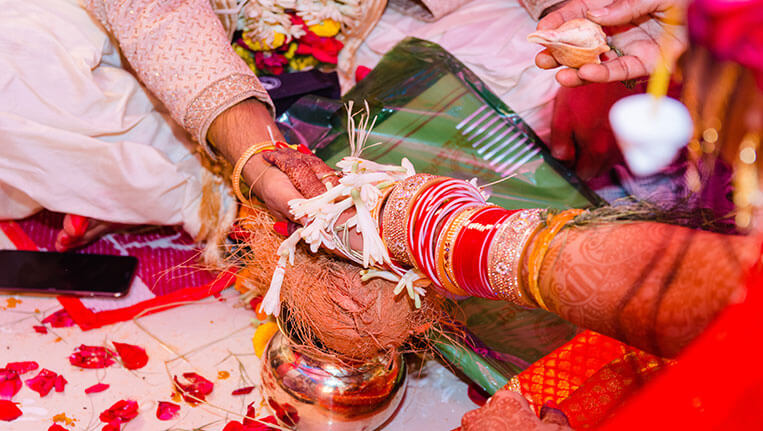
point(445, 229)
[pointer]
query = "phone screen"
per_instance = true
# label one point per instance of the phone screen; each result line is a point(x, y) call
point(66, 273)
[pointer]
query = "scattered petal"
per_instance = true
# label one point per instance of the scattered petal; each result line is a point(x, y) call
point(45, 381)
point(59, 319)
point(9, 411)
point(196, 389)
point(57, 427)
point(60, 383)
point(166, 410)
point(222, 375)
point(255, 304)
point(22, 367)
point(243, 391)
point(250, 413)
point(133, 357)
point(122, 411)
point(98, 387)
point(10, 383)
point(259, 426)
point(285, 412)
point(262, 336)
point(233, 426)
point(91, 357)
point(40, 329)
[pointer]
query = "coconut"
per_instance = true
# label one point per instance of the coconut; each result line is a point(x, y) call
point(326, 304)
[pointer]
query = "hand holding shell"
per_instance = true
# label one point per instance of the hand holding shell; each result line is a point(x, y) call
point(574, 43)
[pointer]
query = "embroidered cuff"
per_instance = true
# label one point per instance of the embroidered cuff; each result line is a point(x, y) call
point(216, 98)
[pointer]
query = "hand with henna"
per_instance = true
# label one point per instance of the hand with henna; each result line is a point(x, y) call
point(310, 176)
point(274, 177)
point(509, 411)
point(307, 173)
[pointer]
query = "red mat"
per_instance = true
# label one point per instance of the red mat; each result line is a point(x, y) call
point(168, 269)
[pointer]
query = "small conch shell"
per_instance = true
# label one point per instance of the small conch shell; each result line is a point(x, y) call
point(574, 43)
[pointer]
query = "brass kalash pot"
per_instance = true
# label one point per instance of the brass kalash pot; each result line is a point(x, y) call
point(311, 391)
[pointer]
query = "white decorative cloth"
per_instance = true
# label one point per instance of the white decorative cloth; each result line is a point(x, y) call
point(80, 134)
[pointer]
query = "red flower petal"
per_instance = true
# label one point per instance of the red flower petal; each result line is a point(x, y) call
point(59, 319)
point(59, 383)
point(98, 387)
point(243, 391)
point(233, 426)
point(57, 427)
point(250, 413)
point(166, 410)
point(40, 330)
point(133, 357)
point(285, 412)
point(10, 383)
point(9, 410)
point(197, 387)
point(259, 426)
point(44, 382)
point(22, 367)
point(122, 411)
point(91, 357)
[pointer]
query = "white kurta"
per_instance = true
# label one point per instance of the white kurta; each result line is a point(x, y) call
point(78, 133)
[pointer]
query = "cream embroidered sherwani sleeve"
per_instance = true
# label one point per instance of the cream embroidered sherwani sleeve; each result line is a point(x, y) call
point(179, 50)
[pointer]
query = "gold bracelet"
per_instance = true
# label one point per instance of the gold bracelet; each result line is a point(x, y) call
point(248, 154)
point(539, 247)
point(376, 210)
point(395, 216)
point(505, 255)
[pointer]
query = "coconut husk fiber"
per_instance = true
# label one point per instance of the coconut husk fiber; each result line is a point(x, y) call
point(325, 302)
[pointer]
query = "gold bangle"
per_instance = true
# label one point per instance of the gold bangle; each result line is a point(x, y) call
point(395, 216)
point(328, 174)
point(539, 247)
point(376, 210)
point(445, 249)
point(248, 154)
point(505, 255)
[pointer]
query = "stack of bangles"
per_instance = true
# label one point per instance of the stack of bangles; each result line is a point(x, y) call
point(445, 229)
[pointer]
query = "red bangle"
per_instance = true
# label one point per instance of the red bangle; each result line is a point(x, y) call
point(432, 207)
point(468, 247)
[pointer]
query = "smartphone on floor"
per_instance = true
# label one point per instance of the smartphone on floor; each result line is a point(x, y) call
point(53, 273)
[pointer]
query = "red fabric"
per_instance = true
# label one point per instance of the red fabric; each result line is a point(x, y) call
point(18, 237)
point(560, 373)
point(86, 319)
point(718, 381)
point(168, 272)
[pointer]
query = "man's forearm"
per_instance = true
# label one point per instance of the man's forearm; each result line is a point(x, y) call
point(239, 127)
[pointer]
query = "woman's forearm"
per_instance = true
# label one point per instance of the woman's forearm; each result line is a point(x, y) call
point(654, 286)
